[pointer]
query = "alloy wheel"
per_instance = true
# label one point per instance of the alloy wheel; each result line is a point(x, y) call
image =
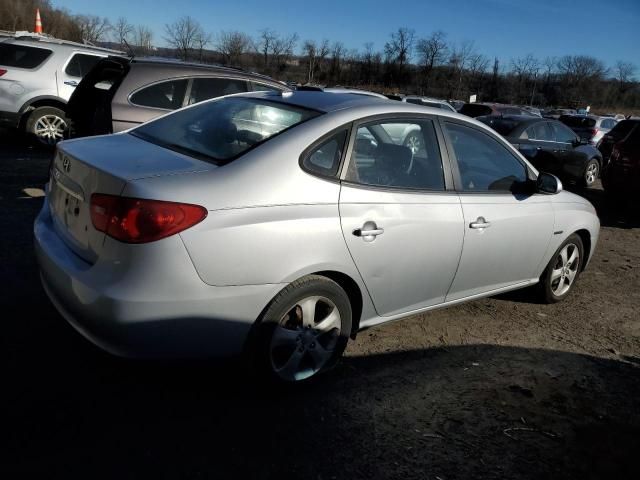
point(305, 339)
point(49, 129)
point(591, 174)
point(565, 269)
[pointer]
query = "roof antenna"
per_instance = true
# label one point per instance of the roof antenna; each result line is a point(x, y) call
point(131, 52)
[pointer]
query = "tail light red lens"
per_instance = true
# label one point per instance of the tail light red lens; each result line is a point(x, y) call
point(2, 71)
point(594, 132)
point(137, 220)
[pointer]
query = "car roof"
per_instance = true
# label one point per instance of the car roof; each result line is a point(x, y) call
point(172, 63)
point(33, 39)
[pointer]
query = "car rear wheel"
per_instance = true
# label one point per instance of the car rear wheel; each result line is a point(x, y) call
point(47, 125)
point(562, 270)
point(304, 330)
point(591, 172)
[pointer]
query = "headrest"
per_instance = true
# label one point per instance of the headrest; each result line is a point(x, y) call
point(393, 157)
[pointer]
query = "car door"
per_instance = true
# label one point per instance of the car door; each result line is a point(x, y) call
point(539, 147)
point(571, 160)
point(507, 229)
point(401, 220)
point(78, 65)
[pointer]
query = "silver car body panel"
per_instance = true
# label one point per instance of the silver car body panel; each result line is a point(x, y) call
point(270, 222)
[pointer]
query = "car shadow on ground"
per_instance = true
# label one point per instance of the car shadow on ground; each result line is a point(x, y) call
point(479, 411)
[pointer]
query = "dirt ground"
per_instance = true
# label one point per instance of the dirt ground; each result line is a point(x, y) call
point(496, 388)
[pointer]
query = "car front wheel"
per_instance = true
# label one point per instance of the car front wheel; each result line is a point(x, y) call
point(562, 270)
point(304, 330)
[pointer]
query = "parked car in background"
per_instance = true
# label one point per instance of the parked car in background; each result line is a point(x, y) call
point(38, 74)
point(589, 127)
point(621, 172)
point(616, 116)
point(532, 110)
point(428, 102)
point(556, 113)
point(338, 89)
point(457, 104)
point(120, 93)
point(146, 258)
point(481, 109)
point(550, 146)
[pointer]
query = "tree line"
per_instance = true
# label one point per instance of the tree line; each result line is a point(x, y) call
point(426, 65)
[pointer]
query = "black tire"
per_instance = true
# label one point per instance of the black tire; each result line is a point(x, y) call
point(46, 114)
point(591, 173)
point(282, 310)
point(547, 292)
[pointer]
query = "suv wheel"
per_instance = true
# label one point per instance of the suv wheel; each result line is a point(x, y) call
point(48, 125)
point(591, 172)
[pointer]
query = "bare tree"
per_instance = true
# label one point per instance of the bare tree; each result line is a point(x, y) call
point(398, 49)
point(315, 56)
point(338, 50)
point(265, 44)
point(432, 52)
point(182, 35)
point(122, 31)
point(92, 28)
point(142, 38)
point(624, 72)
point(232, 45)
point(201, 41)
point(282, 48)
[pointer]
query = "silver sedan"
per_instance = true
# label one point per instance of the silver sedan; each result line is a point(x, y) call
point(279, 225)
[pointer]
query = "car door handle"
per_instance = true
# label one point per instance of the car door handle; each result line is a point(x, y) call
point(480, 223)
point(538, 148)
point(369, 231)
point(71, 83)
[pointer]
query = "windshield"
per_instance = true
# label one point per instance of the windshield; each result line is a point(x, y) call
point(222, 130)
point(501, 125)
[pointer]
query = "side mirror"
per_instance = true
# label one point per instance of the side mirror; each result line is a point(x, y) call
point(549, 184)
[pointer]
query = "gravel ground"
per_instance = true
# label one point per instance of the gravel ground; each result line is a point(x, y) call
point(496, 388)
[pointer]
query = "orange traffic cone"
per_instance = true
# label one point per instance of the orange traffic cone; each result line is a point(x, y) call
point(38, 22)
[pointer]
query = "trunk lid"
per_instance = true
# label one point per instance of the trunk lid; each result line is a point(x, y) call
point(103, 165)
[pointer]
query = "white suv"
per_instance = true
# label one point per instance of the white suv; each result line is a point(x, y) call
point(37, 76)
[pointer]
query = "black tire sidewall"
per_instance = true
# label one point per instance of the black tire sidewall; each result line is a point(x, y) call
point(33, 118)
point(545, 279)
point(305, 287)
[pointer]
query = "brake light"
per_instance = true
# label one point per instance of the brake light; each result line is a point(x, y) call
point(594, 132)
point(2, 71)
point(138, 220)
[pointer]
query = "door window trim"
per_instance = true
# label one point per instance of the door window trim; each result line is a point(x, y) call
point(457, 179)
point(400, 118)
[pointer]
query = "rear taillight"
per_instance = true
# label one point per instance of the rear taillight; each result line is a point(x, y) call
point(594, 132)
point(2, 71)
point(137, 220)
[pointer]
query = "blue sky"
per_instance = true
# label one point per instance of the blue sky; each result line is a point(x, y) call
point(608, 30)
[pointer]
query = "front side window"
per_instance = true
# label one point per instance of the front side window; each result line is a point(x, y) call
point(206, 88)
point(484, 164)
point(165, 95)
point(80, 64)
point(325, 158)
point(402, 154)
point(22, 56)
point(563, 134)
point(222, 130)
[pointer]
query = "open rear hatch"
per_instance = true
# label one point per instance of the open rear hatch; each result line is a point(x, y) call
point(103, 165)
point(89, 107)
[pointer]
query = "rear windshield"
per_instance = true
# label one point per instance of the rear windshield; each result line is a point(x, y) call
point(22, 57)
point(222, 130)
point(475, 110)
point(578, 122)
point(622, 129)
point(501, 125)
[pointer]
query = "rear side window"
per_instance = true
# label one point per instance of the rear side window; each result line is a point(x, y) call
point(166, 95)
point(484, 164)
point(540, 131)
point(80, 64)
point(261, 87)
point(325, 158)
point(22, 57)
point(206, 88)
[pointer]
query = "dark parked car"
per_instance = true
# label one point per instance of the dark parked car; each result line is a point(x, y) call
point(120, 93)
point(556, 113)
point(621, 149)
point(480, 109)
point(550, 146)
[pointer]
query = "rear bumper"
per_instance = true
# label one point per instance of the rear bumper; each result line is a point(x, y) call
point(163, 311)
point(9, 119)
